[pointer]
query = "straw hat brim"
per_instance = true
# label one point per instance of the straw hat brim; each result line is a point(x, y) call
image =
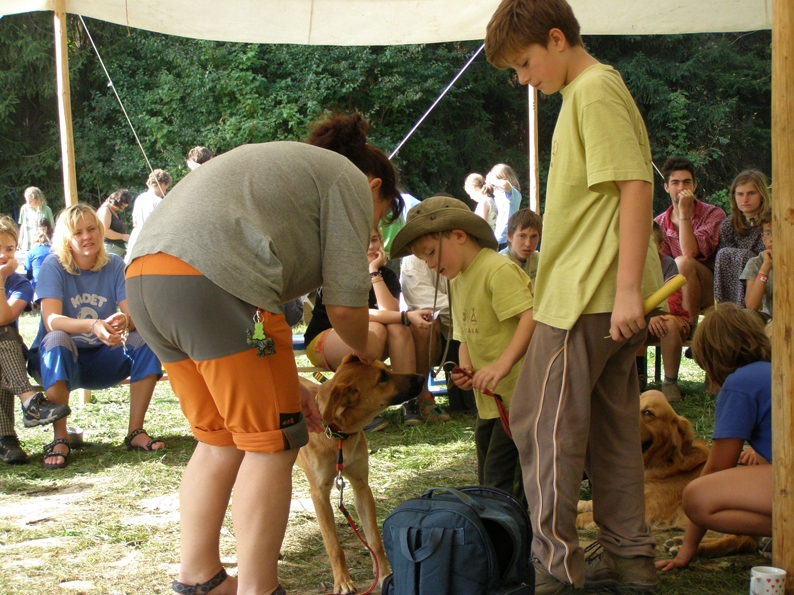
point(431, 217)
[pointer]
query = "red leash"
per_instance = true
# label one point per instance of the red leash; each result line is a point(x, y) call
point(340, 485)
point(504, 417)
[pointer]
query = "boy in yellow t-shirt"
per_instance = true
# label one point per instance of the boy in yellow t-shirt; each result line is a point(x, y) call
point(576, 403)
point(491, 301)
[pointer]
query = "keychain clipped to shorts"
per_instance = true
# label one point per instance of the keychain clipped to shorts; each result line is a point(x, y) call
point(264, 345)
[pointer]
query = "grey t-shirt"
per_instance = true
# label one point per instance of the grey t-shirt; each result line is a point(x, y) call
point(750, 272)
point(270, 222)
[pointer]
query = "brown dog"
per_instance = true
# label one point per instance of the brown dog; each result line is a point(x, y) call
point(672, 458)
point(348, 402)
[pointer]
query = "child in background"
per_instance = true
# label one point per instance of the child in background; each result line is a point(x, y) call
point(491, 317)
point(576, 402)
point(506, 192)
point(758, 270)
point(39, 252)
point(35, 208)
point(730, 345)
point(13, 373)
point(524, 229)
point(671, 330)
point(482, 194)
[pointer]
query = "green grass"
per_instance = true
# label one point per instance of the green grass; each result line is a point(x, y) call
point(111, 516)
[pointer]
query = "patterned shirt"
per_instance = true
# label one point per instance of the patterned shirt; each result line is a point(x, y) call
point(706, 223)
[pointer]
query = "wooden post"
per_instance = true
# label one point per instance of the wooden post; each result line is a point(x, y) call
point(65, 117)
point(534, 174)
point(65, 105)
point(783, 234)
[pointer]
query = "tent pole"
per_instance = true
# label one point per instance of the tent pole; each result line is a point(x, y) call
point(783, 233)
point(534, 175)
point(64, 105)
point(65, 117)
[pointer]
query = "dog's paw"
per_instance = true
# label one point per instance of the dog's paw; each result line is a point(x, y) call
point(344, 586)
point(673, 545)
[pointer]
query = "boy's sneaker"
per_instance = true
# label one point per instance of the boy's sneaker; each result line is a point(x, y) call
point(11, 452)
point(603, 570)
point(671, 391)
point(430, 411)
point(40, 411)
point(377, 424)
point(411, 414)
point(548, 584)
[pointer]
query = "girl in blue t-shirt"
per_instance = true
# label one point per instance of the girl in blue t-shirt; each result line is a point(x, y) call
point(84, 313)
point(734, 492)
point(41, 249)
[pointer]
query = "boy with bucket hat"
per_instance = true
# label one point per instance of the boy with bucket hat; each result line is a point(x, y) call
point(491, 301)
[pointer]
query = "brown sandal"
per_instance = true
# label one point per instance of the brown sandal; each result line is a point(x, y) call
point(49, 451)
point(148, 448)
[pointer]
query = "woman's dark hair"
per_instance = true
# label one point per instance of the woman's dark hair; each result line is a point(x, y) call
point(346, 134)
point(119, 198)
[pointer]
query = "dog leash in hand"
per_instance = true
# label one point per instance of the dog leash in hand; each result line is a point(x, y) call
point(500, 405)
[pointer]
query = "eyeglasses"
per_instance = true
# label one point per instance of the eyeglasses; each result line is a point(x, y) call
point(766, 234)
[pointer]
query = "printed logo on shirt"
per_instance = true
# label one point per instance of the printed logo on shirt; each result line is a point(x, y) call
point(88, 298)
point(86, 313)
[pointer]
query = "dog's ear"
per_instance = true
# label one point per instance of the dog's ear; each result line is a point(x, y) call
point(351, 357)
point(338, 397)
point(682, 436)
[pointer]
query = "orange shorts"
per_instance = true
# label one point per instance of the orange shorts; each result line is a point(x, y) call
point(229, 394)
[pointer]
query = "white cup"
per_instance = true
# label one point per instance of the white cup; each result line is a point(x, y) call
point(767, 580)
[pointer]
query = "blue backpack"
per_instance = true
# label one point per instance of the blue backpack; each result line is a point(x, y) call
point(467, 541)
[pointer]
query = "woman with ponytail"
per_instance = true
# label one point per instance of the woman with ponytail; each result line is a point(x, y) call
point(279, 220)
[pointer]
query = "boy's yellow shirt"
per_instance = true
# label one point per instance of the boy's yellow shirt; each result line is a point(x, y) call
point(486, 299)
point(600, 138)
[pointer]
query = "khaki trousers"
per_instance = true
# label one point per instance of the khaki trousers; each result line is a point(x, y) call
point(575, 408)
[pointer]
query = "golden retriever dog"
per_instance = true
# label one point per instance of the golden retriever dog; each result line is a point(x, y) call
point(672, 457)
point(348, 402)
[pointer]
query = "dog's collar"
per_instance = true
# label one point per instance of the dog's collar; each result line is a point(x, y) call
point(333, 432)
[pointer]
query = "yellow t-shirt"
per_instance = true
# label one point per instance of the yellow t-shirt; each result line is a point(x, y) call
point(486, 298)
point(599, 138)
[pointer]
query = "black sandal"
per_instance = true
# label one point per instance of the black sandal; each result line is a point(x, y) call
point(49, 451)
point(148, 448)
point(200, 588)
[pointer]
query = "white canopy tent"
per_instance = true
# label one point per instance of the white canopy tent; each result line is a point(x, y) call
point(393, 22)
point(389, 22)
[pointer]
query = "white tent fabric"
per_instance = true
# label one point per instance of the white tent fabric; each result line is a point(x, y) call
point(393, 22)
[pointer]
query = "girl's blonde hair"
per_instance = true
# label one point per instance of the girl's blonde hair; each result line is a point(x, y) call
point(477, 182)
point(64, 232)
point(35, 196)
point(728, 338)
point(505, 172)
point(9, 227)
point(761, 183)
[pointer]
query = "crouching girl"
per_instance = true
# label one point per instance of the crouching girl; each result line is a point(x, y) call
point(730, 345)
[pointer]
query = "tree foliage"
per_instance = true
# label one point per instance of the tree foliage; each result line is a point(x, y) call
point(706, 96)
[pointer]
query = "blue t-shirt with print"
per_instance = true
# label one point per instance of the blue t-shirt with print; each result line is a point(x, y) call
point(34, 260)
point(89, 294)
point(18, 288)
point(744, 407)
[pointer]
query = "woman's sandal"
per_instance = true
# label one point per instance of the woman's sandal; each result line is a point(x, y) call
point(131, 436)
point(200, 588)
point(49, 451)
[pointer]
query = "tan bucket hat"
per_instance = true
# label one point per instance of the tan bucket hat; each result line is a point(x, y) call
point(441, 213)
